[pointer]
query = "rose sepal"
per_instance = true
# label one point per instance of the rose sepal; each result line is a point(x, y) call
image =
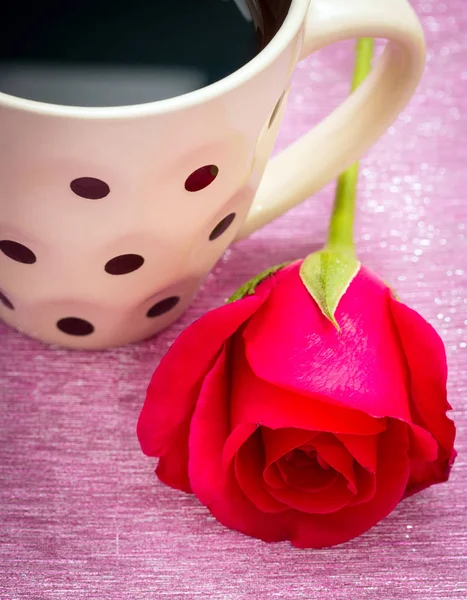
point(327, 275)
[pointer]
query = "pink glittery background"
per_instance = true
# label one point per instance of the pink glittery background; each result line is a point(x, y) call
point(82, 515)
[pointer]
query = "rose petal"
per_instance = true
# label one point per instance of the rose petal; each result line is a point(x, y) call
point(392, 474)
point(332, 498)
point(273, 478)
point(175, 385)
point(249, 465)
point(215, 486)
point(366, 485)
point(426, 359)
point(277, 442)
point(311, 478)
point(360, 367)
point(337, 456)
point(256, 401)
point(423, 445)
point(173, 466)
point(364, 448)
point(218, 489)
point(425, 468)
point(234, 442)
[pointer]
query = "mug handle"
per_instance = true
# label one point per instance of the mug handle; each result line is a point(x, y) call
point(347, 133)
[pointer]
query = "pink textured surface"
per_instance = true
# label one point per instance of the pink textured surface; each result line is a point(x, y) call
point(82, 515)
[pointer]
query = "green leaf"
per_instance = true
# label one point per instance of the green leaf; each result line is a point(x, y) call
point(326, 275)
point(248, 288)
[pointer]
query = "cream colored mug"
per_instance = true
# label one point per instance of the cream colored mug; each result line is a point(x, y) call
point(112, 217)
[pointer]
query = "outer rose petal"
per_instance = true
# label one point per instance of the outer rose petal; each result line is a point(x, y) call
point(391, 479)
point(175, 385)
point(426, 359)
point(214, 485)
point(173, 466)
point(256, 401)
point(290, 344)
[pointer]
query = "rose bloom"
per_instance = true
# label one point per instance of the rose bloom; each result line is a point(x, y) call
point(286, 428)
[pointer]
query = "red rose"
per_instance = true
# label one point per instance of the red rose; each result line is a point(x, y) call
point(287, 429)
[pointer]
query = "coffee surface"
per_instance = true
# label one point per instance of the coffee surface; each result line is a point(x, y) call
point(103, 53)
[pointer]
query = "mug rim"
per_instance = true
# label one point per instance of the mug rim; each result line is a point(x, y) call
point(289, 28)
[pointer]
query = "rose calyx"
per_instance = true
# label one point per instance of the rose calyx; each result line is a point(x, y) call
point(327, 275)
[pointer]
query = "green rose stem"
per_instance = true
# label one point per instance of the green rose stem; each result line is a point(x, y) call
point(342, 220)
point(328, 273)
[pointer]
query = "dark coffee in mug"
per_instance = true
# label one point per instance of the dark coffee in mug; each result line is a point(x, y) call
point(114, 53)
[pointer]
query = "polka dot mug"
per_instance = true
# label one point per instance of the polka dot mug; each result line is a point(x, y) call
point(111, 217)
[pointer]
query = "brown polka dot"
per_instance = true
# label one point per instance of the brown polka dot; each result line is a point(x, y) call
point(123, 264)
point(18, 252)
point(163, 306)
point(75, 326)
point(6, 302)
point(201, 178)
point(222, 226)
point(90, 187)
